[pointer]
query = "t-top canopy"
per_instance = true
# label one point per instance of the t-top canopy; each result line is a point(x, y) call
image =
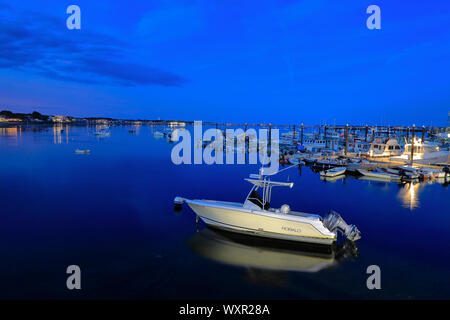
point(268, 183)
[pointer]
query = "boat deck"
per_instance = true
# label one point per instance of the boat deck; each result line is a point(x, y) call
point(271, 210)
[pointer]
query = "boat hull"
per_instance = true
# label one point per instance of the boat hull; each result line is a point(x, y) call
point(262, 223)
point(333, 173)
point(379, 175)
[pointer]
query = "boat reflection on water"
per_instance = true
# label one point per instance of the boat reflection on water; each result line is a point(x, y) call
point(268, 254)
point(333, 179)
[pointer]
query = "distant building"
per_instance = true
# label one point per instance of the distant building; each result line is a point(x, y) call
point(60, 119)
point(6, 119)
point(102, 121)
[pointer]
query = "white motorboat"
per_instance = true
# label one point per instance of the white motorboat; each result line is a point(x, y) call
point(330, 162)
point(423, 152)
point(79, 151)
point(390, 148)
point(315, 144)
point(255, 217)
point(403, 173)
point(432, 173)
point(333, 172)
point(378, 174)
point(158, 134)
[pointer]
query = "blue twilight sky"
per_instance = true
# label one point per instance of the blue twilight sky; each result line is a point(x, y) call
point(279, 61)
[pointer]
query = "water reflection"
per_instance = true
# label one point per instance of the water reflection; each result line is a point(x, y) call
point(256, 253)
point(409, 195)
point(11, 131)
point(333, 179)
point(59, 132)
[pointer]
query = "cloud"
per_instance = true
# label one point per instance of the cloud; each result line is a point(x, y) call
point(40, 44)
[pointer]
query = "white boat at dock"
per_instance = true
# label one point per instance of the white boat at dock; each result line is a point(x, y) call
point(423, 152)
point(380, 148)
point(333, 172)
point(404, 174)
point(315, 144)
point(378, 174)
point(330, 162)
point(158, 134)
point(255, 217)
point(433, 173)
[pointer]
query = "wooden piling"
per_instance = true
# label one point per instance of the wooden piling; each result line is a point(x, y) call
point(293, 138)
point(412, 144)
point(346, 139)
point(301, 139)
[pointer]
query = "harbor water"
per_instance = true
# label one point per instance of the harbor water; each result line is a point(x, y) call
point(111, 213)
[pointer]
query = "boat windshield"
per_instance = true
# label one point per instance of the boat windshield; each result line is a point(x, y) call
point(255, 198)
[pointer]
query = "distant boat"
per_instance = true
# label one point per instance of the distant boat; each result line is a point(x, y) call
point(80, 151)
point(333, 172)
point(158, 134)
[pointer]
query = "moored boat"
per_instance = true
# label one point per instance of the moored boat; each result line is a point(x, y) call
point(256, 217)
point(378, 174)
point(79, 151)
point(333, 172)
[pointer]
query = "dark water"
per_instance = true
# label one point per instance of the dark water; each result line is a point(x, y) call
point(111, 213)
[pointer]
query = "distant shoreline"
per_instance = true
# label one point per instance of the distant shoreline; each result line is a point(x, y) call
point(10, 118)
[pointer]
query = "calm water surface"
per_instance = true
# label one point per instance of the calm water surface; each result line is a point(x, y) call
point(111, 213)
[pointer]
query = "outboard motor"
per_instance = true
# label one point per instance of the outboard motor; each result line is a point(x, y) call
point(333, 221)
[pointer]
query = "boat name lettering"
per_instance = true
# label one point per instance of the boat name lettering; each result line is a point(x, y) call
point(291, 229)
